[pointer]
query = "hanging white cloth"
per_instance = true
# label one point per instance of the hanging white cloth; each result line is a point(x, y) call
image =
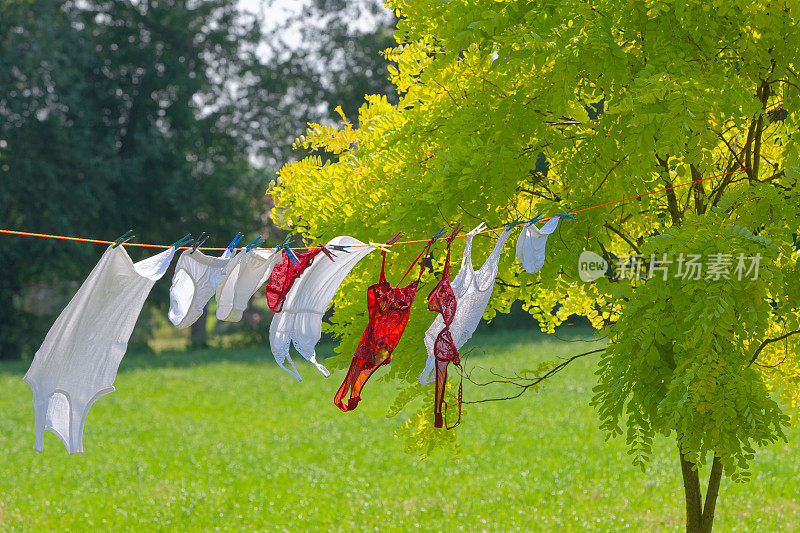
point(300, 320)
point(194, 283)
point(531, 245)
point(79, 358)
point(243, 275)
point(473, 290)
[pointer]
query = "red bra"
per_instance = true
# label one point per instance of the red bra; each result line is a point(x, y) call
point(442, 300)
point(283, 275)
point(389, 308)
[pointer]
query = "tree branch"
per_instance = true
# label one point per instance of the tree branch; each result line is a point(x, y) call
point(764, 96)
point(622, 236)
point(603, 181)
point(770, 341)
point(699, 191)
point(748, 152)
point(672, 201)
point(556, 369)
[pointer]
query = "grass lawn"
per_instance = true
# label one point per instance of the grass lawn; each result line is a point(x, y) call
point(224, 439)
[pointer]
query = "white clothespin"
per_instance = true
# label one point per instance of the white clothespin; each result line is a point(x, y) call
point(479, 228)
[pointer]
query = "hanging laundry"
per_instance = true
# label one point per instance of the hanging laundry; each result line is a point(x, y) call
point(195, 282)
point(244, 274)
point(531, 244)
point(442, 300)
point(389, 308)
point(284, 274)
point(473, 290)
point(300, 320)
point(78, 360)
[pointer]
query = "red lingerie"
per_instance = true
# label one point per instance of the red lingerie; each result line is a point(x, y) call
point(389, 308)
point(442, 300)
point(283, 275)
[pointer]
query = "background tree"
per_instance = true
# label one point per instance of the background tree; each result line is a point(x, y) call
point(165, 117)
point(111, 118)
point(621, 98)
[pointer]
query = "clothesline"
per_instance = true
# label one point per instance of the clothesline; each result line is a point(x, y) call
point(90, 335)
point(491, 230)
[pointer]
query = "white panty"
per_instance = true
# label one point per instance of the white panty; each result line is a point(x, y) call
point(531, 243)
point(195, 282)
point(243, 275)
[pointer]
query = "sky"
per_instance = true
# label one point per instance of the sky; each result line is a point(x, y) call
point(274, 12)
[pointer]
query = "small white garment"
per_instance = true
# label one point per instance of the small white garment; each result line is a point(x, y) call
point(244, 274)
point(300, 320)
point(473, 290)
point(195, 282)
point(531, 243)
point(78, 360)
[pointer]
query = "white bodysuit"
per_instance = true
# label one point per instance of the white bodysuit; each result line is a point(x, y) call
point(78, 360)
point(531, 243)
point(245, 273)
point(195, 282)
point(300, 320)
point(473, 290)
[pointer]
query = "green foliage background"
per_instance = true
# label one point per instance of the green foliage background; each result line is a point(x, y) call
point(512, 108)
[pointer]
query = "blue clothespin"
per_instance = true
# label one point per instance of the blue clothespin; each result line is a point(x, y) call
point(566, 215)
point(537, 218)
point(253, 244)
point(182, 241)
point(292, 257)
point(340, 248)
point(232, 246)
point(125, 237)
point(514, 223)
point(286, 245)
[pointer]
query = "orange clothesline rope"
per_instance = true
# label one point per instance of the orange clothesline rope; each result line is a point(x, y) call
point(208, 248)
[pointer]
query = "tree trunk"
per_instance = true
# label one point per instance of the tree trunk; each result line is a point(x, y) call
point(700, 516)
point(707, 520)
point(691, 489)
point(198, 333)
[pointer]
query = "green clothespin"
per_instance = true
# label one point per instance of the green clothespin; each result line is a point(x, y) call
point(437, 235)
point(285, 241)
point(125, 237)
point(182, 241)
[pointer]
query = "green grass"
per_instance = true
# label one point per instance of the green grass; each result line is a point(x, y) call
point(223, 439)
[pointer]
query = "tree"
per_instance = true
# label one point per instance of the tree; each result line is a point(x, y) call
point(618, 99)
point(114, 115)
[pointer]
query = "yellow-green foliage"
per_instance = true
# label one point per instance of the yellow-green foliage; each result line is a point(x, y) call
point(621, 98)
